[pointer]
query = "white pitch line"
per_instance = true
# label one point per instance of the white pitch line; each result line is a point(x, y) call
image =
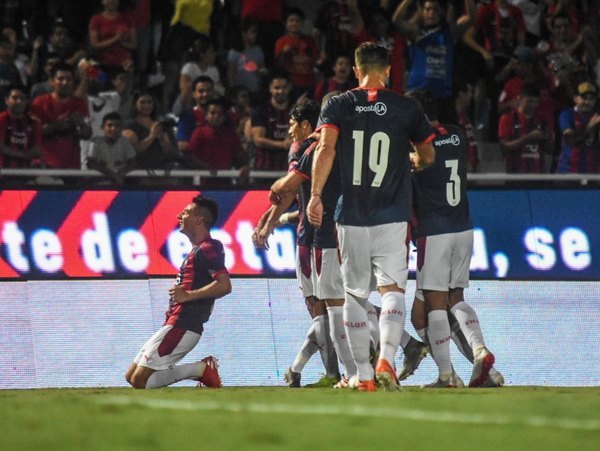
point(358, 411)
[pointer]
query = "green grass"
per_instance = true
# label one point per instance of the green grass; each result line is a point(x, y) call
point(511, 418)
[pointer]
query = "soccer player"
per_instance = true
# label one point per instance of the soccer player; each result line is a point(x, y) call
point(371, 131)
point(202, 279)
point(303, 119)
point(325, 256)
point(444, 236)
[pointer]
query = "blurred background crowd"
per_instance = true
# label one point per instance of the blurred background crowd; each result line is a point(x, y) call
point(117, 85)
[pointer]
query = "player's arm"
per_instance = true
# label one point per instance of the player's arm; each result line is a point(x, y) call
point(219, 287)
point(425, 153)
point(321, 168)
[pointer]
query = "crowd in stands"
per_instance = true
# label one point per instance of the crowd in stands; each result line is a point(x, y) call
point(117, 85)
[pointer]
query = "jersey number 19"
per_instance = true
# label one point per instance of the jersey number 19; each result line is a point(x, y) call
point(379, 150)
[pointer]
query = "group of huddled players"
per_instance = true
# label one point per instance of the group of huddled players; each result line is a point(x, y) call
point(370, 171)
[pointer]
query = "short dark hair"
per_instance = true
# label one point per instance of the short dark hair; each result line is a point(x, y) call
point(294, 11)
point(112, 116)
point(217, 101)
point(202, 79)
point(61, 67)
point(428, 102)
point(15, 87)
point(370, 55)
point(207, 208)
point(306, 111)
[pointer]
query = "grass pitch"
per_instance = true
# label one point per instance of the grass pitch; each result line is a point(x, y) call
point(511, 418)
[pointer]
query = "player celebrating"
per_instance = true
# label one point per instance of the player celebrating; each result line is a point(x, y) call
point(303, 120)
point(371, 131)
point(202, 279)
point(444, 237)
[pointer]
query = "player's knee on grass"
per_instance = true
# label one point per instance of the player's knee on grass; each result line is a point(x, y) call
point(140, 376)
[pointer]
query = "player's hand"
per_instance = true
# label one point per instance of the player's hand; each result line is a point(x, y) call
point(274, 198)
point(260, 238)
point(314, 211)
point(178, 294)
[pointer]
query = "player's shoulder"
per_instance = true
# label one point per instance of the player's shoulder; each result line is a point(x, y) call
point(449, 135)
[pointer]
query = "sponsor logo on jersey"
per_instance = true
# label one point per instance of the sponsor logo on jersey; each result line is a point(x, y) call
point(379, 108)
point(454, 140)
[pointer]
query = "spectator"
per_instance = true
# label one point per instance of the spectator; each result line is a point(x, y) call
point(297, 54)
point(112, 154)
point(20, 134)
point(580, 151)
point(64, 120)
point(525, 136)
point(203, 90)
point(192, 20)
point(200, 61)
point(463, 103)
point(61, 44)
point(45, 87)
point(379, 29)
point(246, 64)
point(533, 11)
point(241, 112)
point(140, 16)
point(335, 25)
point(9, 74)
point(432, 41)
point(342, 80)
point(216, 146)
point(268, 15)
point(152, 140)
point(112, 37)
point(270, 124)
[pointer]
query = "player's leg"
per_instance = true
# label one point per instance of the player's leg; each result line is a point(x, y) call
point(330, 286)
point(414, 350)
point(156, 362)
point(356, 274)
point(464, 314)
point(389, 256)
point(373, 314)
point(434, 263)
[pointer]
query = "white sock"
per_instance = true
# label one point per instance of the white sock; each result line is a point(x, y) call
point(391, 324)
point(177, 373)
point(308, 349)
point(422, 333)
point(340, 340)
point(373, 323)
point(321, 339)
point(460, 341)
point(469, 324)
point(439, 341)
point(357, 331)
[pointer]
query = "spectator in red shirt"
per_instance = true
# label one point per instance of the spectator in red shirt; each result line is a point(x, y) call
point(112, 36)
point(215, 145)
point(297, 53)
point(20, 134)
point(64, 119)
point(342, 80)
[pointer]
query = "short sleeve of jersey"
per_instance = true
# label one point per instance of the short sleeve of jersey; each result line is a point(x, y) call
point(304, 167)
point(423, 130)
point(215, 257)
point(330, 114)
point(565, 120)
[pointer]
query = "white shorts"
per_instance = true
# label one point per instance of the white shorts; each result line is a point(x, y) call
point(328, 271)
point(166, 347)
point(379, 251)
point(305, 271)
point(443, 261)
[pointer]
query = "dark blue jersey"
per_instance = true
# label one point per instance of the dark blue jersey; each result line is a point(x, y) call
point(376, 128)
point(325, 235)
point(440, 203)
point(305, 231)
point(201, 266)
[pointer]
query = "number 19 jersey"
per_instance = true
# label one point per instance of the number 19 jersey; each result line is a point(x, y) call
point(376, 128)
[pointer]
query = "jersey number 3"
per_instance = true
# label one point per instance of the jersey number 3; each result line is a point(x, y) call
point(379, 151)
point(453, 186)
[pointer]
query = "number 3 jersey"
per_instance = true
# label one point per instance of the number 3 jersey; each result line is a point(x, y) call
point(440, 190)
point(376, 128)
